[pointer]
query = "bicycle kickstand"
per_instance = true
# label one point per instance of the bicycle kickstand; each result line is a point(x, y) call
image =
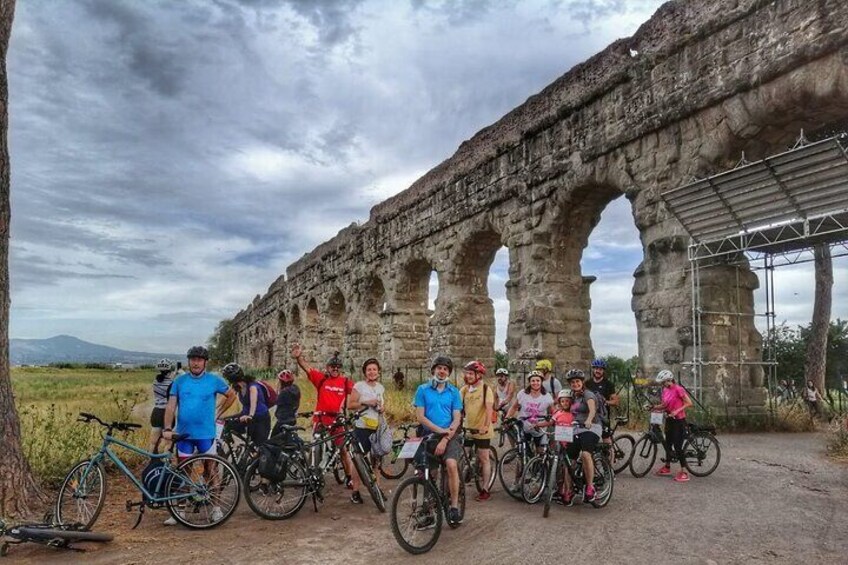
point(141, 507)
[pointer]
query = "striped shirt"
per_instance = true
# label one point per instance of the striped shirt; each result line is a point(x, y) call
point(161, 391)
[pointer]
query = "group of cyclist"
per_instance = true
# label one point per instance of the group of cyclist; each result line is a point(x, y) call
point(189, 403)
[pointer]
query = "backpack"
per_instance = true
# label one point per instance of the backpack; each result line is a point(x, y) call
point(382, 438)
point(270, 393)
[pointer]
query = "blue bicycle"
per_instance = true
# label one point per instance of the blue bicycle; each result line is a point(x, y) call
point(200, 492)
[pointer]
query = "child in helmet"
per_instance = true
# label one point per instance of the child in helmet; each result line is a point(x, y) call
point(563, 417)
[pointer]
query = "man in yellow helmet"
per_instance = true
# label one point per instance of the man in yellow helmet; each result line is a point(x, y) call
point(549, 381)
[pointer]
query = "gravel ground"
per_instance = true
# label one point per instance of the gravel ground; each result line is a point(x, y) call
point(775, 498)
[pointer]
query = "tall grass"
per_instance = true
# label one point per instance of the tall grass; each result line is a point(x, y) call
point(49, 400)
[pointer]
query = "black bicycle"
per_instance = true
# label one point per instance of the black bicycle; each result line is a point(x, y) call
point(392, 466)
point(473, 468)
point(235, 444)
point(421, 503)
point(289, 469)
point(622, 446)
point(514, 461)
point(49, 534)
point(701, 450)
point(561, 463)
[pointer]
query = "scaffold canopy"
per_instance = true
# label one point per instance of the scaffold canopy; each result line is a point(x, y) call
point(789, 201)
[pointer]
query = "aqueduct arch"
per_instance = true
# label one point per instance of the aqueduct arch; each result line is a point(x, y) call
point(696, 85)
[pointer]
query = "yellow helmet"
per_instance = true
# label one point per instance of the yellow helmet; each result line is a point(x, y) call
point(544, 365)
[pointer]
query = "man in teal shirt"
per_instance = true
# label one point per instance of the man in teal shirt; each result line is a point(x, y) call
point(438, 406)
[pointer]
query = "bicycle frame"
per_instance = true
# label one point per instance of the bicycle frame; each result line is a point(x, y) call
point(106, 453)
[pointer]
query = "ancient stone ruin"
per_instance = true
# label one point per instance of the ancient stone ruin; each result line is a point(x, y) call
point(697, 85)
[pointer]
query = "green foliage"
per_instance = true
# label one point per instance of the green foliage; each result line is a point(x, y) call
point(49, 399)
point(837, 441)
point(790, 346)
point(501, 359)
point(222, 343)
point(620, 370)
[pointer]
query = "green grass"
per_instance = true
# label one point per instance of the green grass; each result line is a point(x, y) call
point(49, 399)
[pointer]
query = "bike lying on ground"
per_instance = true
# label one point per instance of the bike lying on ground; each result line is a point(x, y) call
point(701, 450)
point(51, 535)
point(200, 492)
point(421, 503)
point(290, 469)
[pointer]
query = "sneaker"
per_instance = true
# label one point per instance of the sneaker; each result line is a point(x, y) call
point(170, 521)
point(217, 515)
point(568, 498)
point(664, 471)
point(454, 517)
point(589, 493)
point(682, 477)
point(483, 496)
point(356, 498)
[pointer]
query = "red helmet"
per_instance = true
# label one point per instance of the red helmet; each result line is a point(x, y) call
point(285, 376)
point(475, 366)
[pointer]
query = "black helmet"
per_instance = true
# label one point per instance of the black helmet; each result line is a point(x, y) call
point(198, 351)
point(335, 361)
point(232, 372)
point(442, 360)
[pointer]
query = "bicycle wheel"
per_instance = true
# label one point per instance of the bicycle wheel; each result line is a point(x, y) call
point(702, 454)
point(34, 533)
point(203, 491)
point(604, 480)
point(533, 480)
point(550, 487)
point(478, 469)
point(622, 449)
point(366, 475)
point(276, 500)
point(510, 469)
point(390, 466)
point(416, 515)
point(81, 500)
point(644, 456)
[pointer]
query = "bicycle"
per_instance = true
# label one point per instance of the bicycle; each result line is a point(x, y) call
point(396, 466)
point(327, 450)
point(473, 469)
point(196, 500)
point(47, 533)
point(543, 473)
point(512, 464)
point(235, 445)
point(622, 446)
point(300, 468)
point(701, 450)
point(420, 505)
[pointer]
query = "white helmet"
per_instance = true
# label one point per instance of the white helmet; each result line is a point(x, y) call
point(664, 375)
point(502, 371)
point(565, 393)
point(165, 365)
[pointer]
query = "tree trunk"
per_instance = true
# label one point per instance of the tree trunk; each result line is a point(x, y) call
point(18, 488)
point(816, 358)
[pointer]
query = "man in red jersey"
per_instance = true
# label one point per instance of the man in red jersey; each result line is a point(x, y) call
point(335, 392)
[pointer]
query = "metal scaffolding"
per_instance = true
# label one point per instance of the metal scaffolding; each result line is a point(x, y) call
point(759, 216)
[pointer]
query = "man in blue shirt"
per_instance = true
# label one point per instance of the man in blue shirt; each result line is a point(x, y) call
point(438, 406)
point(193, 398)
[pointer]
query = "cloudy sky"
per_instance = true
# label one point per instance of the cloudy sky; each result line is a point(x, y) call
point(170, 159)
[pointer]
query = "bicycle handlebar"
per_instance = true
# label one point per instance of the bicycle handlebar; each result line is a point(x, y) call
point(121, 426)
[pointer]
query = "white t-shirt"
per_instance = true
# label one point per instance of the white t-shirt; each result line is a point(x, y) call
point(531, 408)
point(368, 393)
point(552, 382)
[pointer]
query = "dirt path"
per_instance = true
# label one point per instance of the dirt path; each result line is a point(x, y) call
point(774, 499)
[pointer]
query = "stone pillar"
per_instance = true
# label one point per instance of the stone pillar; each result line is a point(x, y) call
point(549, 315)
point(406, 319)
point(463, 326)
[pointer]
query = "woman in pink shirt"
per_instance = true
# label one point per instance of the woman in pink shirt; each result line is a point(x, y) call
point(675, 401)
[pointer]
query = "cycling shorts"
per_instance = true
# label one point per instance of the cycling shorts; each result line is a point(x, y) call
point(584, 441)
point(480, 443)
point(189, 447)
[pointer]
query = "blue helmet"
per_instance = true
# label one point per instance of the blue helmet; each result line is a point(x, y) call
point(599, 364)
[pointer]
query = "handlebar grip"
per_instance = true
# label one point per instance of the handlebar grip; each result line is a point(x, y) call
point(133, 426)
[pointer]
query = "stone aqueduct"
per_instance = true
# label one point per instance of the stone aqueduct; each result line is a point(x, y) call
point(697, 85)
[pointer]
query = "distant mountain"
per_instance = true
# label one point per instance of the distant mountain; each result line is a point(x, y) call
point(68, 349)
